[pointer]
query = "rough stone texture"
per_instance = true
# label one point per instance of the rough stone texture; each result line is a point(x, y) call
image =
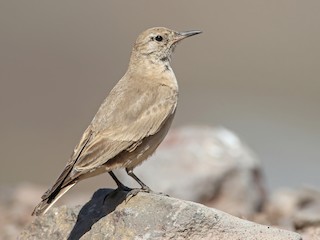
point(202, 164)
point(146, 216)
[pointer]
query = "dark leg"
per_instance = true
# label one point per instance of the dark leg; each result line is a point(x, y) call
point(143, 186)
point(120, 185)
point(135, 191)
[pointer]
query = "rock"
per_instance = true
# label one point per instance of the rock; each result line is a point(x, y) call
point(202, 164)
point(307, 213)
point(306, 217)
point(17, 203)
point(311, 233)
point(294, 208)
point(146, 216)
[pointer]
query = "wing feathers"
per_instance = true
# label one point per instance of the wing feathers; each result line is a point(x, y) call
point(112, 131)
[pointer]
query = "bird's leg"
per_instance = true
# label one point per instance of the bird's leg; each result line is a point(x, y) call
point(144, 187)
point(120, 185)
point(135, 191)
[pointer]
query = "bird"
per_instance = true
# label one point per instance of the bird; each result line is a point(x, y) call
point(131, 122)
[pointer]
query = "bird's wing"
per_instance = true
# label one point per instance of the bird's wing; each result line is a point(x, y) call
point(143, 115)
point(118, 125)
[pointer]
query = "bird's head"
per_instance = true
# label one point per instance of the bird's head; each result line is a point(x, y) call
point(157, 44)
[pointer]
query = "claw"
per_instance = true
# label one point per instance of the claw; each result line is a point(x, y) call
point(135, 191)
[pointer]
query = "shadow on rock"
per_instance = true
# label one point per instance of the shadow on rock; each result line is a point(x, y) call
point(103, 202)
point(146, 216)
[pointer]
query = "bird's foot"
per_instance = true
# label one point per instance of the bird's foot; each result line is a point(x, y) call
point(133, 192)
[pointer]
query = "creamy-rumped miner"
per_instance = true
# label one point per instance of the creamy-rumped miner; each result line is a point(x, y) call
point(133, 119)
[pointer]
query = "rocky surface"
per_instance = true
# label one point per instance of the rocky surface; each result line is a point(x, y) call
point(17, 203)
point(311, 233)
point(295, 209)
point(202, 164)
point(207, 165)
point(146, 216)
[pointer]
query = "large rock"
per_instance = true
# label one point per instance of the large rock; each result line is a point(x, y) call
point(205, 165)
point(146, 216)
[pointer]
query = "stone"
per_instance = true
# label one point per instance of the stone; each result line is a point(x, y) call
point(202, 164)
point(16, 203)
point(109, 215)
point(294, 208)
point(311, 233)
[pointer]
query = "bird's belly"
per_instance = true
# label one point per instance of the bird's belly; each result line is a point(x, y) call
point(131, 159)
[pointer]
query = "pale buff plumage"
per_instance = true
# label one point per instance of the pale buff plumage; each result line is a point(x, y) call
point(133, 119)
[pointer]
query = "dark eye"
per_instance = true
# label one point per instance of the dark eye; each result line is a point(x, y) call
point(158, 38)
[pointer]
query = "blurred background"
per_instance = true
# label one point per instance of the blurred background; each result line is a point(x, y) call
point(254, 70)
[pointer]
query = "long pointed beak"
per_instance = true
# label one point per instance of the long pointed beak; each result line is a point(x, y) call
point(189, 33)
point(183, 35)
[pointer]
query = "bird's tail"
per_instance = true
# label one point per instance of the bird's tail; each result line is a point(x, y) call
point(48, 201)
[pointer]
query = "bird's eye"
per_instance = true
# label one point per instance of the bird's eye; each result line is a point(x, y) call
point(158, 38)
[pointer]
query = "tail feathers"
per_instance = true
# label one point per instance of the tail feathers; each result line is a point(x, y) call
point(47, 203)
